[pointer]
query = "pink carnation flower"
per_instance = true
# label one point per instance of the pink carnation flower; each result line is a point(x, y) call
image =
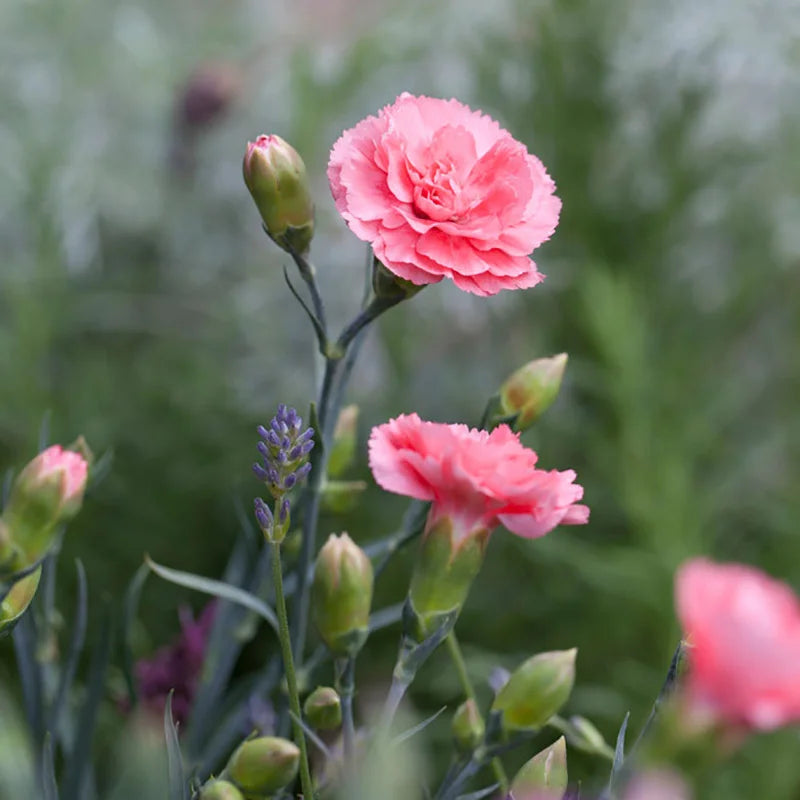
point(478, 479)
point(743, 630)
point(442, 191)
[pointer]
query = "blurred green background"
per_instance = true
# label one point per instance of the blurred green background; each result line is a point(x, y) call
point(141, 305)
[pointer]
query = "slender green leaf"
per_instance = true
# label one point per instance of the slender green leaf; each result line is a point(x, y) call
point(78, 764)
point(129, 608)
point(480, 793)
point(315, 740)
point(401, 737)
point(29, 669)
point(385, 617)
point(74, 651)
point(217, 589)
point(178, 788)
point(49, 786)
point(619, 753)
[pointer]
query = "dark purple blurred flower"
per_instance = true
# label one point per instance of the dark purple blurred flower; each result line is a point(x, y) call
point(177, 666)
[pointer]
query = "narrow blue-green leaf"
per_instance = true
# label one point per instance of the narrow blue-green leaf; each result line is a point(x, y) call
point(74, 651)
point(480, 793)
point(235, 721)
point(130, 607)
point(100, 469)
point(217, 589)
point(417, 728)
point(225, 642)
point(619, 753)
point(178, 788)
point(49, 786)
point(29, 669)
point(44, 430)
point(78, 763)
point(385, 617)
point(315, 740)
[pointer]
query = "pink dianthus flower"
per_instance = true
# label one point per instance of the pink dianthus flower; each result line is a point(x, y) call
point(743, 631)
point(476, 478)
point(442, 191)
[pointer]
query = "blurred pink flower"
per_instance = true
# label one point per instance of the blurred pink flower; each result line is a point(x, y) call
point(478, 479)
point(743, 630)
point(657, 784)
point(442, 191)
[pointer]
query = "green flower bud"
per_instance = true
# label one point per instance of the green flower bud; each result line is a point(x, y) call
point(343, 448)
point(536, 690)
point(341, 595)
point(467, 727)
point(276, 177)
point(545, 775)
point(47, 492)
point(18, 599)
point(261, 766)
point(220, 790)
point(323, 709)
point(531, 390)
point(443, 573)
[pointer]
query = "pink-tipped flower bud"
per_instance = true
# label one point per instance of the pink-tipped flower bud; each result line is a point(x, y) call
point(544, 776)
point(276, 177)
point(220, 790)
point(467, 727)
point(443, 573)
point(259, 767)
point(536, 690)
point(341, 595)
point(323, 709)
point(531, 390)
point(48, 491)
point(343, 448)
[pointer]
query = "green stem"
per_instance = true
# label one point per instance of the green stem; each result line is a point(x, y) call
point(319, 466)
point(345, 680)
point(457, 658)
point(291, 677)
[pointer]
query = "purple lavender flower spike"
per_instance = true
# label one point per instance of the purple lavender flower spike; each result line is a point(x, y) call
point(284, 449)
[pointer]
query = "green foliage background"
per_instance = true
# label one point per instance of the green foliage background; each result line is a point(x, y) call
point(141, 306)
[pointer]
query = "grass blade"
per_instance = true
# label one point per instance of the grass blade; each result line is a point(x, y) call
point(217, 589)
point(178, 789)
point(75, 649)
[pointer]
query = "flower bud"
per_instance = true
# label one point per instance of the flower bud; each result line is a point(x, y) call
point(467, 727)
point(341, 595)
point(19, 597)
point(276, 177)
point(220, 790)
point(343, 448)
point(48, 491)
point(531, 390)
point(545, 775)
point(443, 573)
point(323, 709)
point(536, 690)
point(261, 766)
